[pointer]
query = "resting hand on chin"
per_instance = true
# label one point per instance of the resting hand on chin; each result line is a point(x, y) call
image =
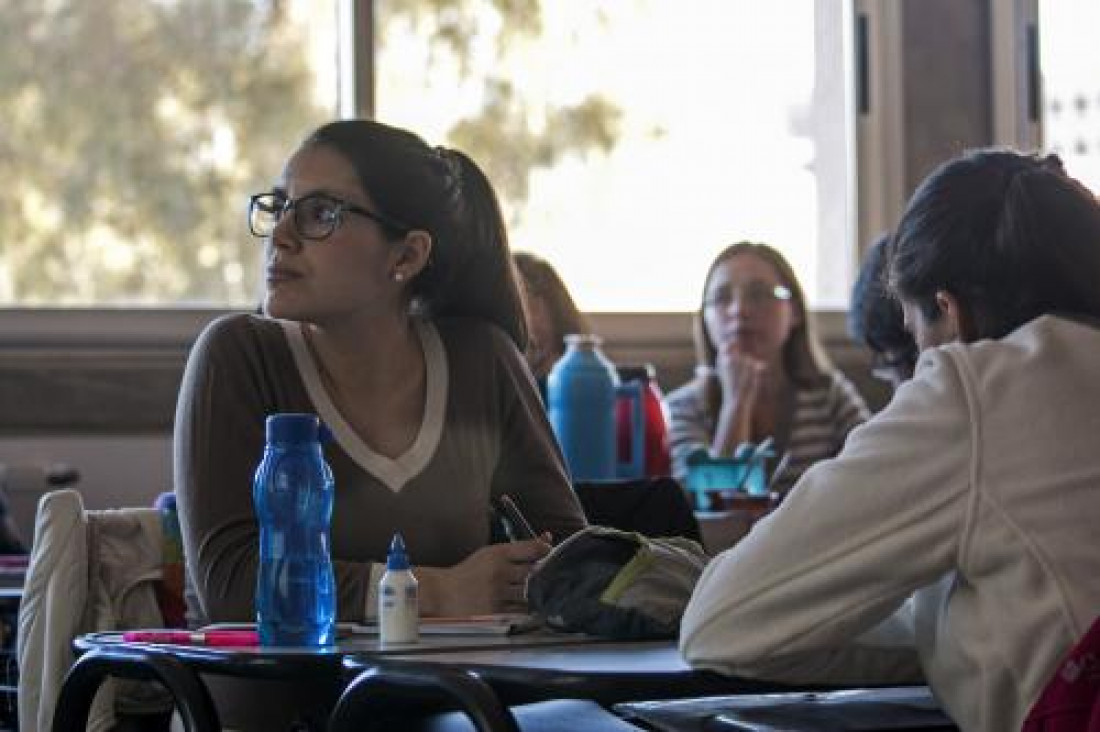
point(740, 376)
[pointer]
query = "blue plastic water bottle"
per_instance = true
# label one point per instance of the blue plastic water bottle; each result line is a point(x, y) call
point(293, 492)
point(581, 405)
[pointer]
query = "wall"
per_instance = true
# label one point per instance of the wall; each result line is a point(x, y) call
point(98, 392)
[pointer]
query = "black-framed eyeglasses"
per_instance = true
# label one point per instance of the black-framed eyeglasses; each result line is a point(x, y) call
point(316, 215)
point(752, 293)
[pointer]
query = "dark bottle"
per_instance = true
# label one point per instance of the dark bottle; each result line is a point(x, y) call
point(293, 492)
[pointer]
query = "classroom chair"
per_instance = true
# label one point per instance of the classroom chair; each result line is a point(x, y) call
point(89, 571)
point(397, 696)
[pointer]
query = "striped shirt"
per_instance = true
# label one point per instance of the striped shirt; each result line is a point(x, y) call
point(821, 420)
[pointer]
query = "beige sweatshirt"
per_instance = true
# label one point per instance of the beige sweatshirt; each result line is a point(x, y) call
point(975, 495)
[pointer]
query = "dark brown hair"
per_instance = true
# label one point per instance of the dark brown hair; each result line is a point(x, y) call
point(444, 193)
point(1010, 235)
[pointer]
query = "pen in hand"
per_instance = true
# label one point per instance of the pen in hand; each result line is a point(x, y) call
point(515, 525)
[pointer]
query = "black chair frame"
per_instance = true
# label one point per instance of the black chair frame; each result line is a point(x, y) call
point(372, 698)
point(192, 699)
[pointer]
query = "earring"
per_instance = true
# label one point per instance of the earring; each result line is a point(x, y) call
point(398, 276)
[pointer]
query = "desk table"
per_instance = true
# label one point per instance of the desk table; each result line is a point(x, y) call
point(291, 663)
point(320, 674)
point(607, 672)
point(519, 668)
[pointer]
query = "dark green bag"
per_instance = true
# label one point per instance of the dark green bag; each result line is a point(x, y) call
point(616, 584)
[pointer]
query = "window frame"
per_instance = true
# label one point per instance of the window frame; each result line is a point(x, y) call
point(32, 339)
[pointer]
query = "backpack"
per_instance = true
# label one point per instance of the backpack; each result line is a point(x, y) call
point(616, 584)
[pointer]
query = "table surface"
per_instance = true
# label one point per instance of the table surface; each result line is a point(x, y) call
point(521, 668)
point(276, 662)
point(356, 643)
point(601, 671)
point(593, 656)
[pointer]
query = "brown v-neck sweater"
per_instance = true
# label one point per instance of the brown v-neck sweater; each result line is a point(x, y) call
point(484, 432)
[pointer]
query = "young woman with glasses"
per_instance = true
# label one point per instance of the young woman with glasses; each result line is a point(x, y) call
point(391, 310)
point(965, 513)
point(761, 371)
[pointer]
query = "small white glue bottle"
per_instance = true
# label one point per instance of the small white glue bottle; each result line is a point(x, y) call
point(398, 598)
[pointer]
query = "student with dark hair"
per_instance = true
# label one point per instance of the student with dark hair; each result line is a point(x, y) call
point(955, 536)
point(551, 313)
point(875, 319)
point(392, 312)
point(761, 371)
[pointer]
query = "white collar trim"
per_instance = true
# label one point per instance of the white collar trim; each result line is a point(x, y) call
point(394, 473)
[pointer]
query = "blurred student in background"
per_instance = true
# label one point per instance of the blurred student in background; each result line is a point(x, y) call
point(967, 509)
point(551, 314)
point(875, 319)
point(761, 372)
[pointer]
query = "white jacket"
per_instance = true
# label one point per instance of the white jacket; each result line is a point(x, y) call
point(975, 495)
point(89, 571)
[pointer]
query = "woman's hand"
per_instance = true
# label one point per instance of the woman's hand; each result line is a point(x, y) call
point(740, 378)
point(491, 580)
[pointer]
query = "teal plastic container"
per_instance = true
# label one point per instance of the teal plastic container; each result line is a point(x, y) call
point(711, 478)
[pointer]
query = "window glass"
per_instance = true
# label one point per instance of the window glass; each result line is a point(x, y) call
point(632, 139)
point(133, 132)
point(1071, 85)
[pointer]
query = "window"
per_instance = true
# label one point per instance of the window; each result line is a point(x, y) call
point(631, 140)
point(133, 132)
point(1071, 85)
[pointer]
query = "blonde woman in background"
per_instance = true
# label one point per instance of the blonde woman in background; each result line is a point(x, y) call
point(761, 371)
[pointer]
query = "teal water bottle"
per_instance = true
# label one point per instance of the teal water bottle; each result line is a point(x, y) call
point(293, 493)
point(581, 405)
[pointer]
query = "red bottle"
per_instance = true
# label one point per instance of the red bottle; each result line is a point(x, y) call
point(658, 459)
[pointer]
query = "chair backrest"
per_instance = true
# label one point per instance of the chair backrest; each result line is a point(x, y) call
point(89, 570)
point(651, 506)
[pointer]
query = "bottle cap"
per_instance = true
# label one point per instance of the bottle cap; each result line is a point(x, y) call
point(397, 559)
point(293, 428)
point(583, 340)
point(637, 372)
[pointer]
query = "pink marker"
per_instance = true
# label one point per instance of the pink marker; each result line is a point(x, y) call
point(213, 638)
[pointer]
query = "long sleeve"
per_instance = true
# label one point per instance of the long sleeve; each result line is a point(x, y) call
point(853, 540)
point(227, 392)
point(218, 443)
point(688, 429)
point(848, 408)
point(531, 466)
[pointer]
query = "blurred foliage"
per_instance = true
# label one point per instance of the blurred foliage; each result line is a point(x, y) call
point(131, 133)
point(501, 139)
point(501, 136)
